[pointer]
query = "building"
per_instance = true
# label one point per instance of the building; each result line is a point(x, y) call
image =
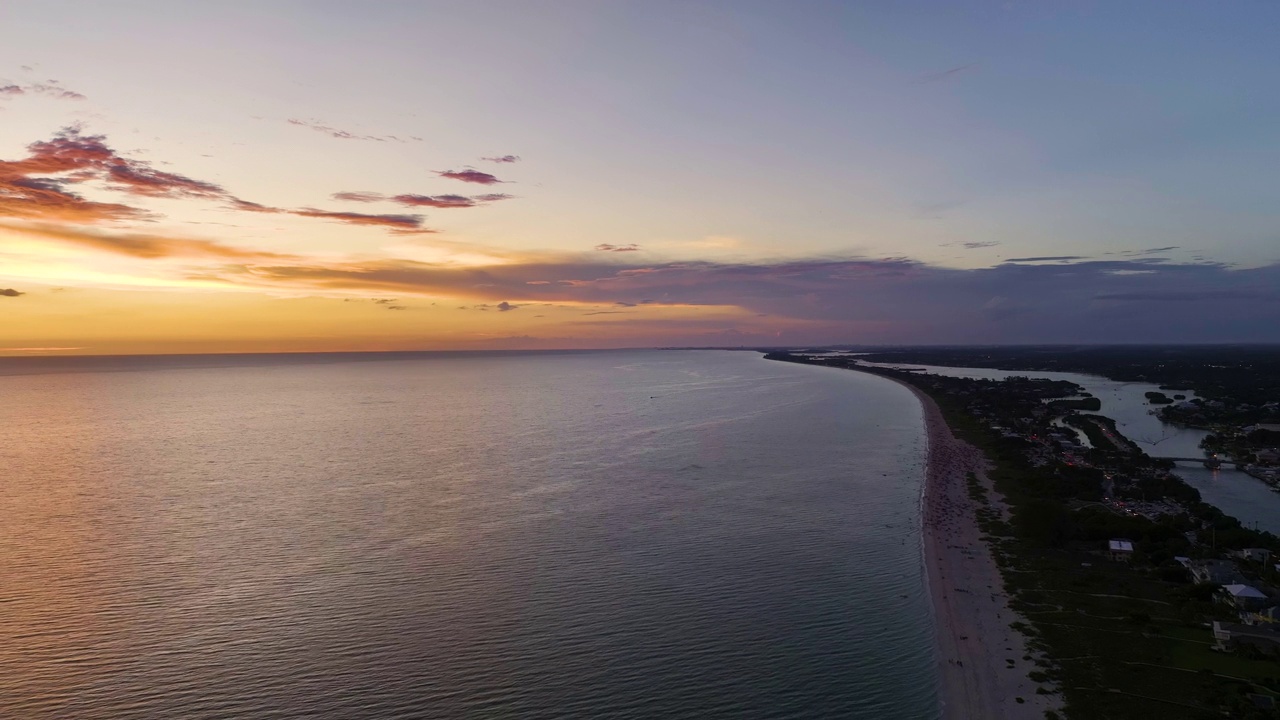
point(1260, 555)
point(1232, 636)
point(1216, 572)
point(1120, 549)
point(1266, 616)
point(1245, 597)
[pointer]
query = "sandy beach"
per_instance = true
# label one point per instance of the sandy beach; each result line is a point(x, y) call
point(975, 640)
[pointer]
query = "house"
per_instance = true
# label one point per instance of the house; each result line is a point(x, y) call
point(1231, 636)
point(1183, 561)
point(1217, 572)
point(1245, 597)
point(1270, 456)
point(1261, 555)
point(1120, 549)
point(1266, 616)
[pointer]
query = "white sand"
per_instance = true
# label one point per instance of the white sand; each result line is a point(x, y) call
point(972, 611)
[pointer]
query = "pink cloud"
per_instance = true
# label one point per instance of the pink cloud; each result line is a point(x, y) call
point(470, 176)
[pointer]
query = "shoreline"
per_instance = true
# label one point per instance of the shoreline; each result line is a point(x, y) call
point(971, 609)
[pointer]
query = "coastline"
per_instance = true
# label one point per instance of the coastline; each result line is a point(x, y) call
point(971, 610)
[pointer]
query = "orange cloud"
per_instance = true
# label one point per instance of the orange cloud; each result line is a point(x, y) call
point(146, 246)
point(38, 187)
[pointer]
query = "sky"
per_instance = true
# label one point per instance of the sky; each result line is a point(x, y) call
point(340, 176)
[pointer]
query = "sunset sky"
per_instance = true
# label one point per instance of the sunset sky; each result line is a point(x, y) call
point(250, 177)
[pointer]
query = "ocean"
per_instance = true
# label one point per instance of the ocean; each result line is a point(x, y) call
point(629, 534)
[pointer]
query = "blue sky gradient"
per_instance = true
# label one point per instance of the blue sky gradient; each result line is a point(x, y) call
point(1139, 140)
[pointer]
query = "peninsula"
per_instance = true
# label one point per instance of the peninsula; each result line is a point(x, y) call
point(1079, 579)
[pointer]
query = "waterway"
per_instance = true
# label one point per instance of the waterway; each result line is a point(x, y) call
point(1234, 492)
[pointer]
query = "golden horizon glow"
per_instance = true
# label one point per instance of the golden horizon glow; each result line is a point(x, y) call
point(695, 180)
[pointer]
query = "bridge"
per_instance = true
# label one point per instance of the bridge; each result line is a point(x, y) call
point(1208, 462)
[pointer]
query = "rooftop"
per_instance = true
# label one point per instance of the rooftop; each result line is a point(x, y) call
point(1121, 546)
point(1245, 591)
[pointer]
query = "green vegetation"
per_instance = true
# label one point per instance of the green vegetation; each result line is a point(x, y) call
point(1089, 404)
point(1126, 639)
point(1237, 375)
point(1120, 634)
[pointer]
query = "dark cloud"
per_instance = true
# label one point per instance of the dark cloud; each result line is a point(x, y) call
point(945, 74)
point(51, 89)
point(140, 179)
point(502, 159)
point(448, 201)
point(606, 247)
point(396, 307)
point(54, 90)
point(437, 201)
point(1148, 251)
point(334, 132)
point(246, 206)
point(505, 306)
point(1047, 258)
point(432, 201)
point(1193, 296)
point(10, 292)
point(470, 176)
point(894, 300)
point(396, 223)
point(364, 197)
point(980, 244)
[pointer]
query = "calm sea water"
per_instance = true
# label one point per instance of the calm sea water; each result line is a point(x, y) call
point(593, 535)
